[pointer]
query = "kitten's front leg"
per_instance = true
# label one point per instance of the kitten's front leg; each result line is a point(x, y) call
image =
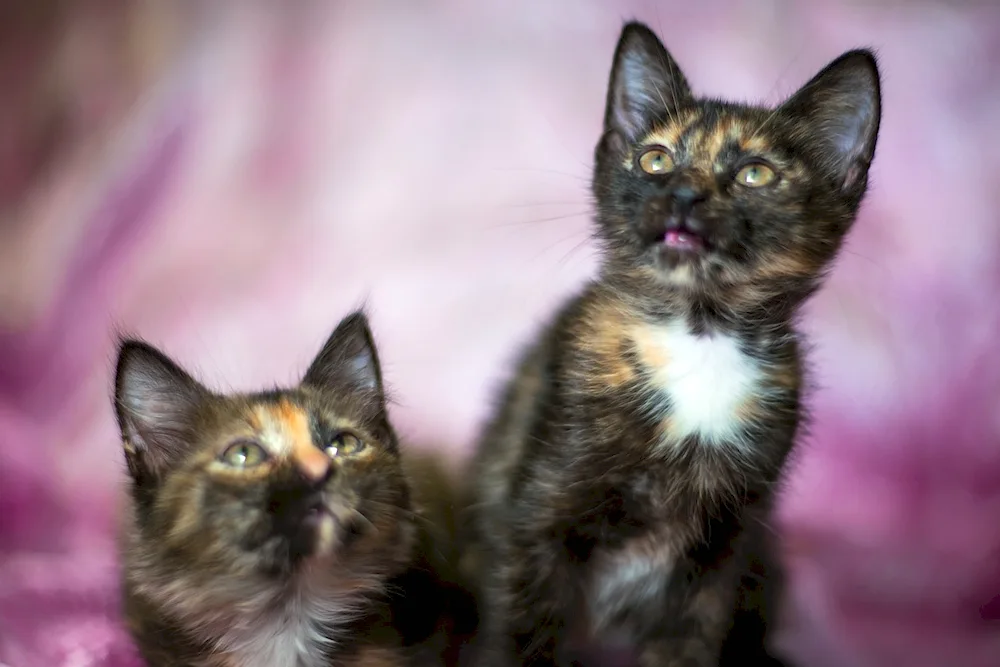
point(507, 618)
point(695, 638)
point(536, 621)
point(690, 652)
point(494, 646)
point(527, 597)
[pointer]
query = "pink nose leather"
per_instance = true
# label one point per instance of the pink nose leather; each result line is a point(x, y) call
point(313, 463)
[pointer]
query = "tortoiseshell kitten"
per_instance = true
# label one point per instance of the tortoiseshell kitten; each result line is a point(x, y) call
point(623, 486)
point(264, 528)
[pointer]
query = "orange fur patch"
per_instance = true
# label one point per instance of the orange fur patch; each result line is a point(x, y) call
point(651, 354)
point(727, 130)
point(607, 336)
point(670, 133)
point(754, 144)
point(294, 424)
point(786, 265)
point(749, 410)
point(787, 377)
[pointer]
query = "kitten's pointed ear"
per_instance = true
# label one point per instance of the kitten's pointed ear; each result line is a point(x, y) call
point(348, 361)
point(156, 403)
point(646, 84)
point(840, 109)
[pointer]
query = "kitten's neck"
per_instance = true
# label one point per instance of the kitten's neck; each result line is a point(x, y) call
point(297, 623)
point(747, 310)
point(301, 629)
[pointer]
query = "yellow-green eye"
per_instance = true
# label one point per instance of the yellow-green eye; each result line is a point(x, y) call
point(344, 444)
point(244, 454)
point(756, 175)
point(655, 161)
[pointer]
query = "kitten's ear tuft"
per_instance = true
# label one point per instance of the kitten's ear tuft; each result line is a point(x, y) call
point(646, 84)
point(842, 108)
point(348, 361)
point(156, 403)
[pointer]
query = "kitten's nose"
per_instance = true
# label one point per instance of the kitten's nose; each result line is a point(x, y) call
point(314, 464)
point(684, 198)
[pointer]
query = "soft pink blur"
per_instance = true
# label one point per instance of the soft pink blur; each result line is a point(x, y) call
point(227, 181)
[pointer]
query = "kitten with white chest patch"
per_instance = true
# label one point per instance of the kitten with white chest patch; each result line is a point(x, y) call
point(622, 488)
point(264, 529)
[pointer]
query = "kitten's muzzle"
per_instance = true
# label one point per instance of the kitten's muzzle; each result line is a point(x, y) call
point(684, 198)
point(675, 220)
point(316, 508)
point(300, 501)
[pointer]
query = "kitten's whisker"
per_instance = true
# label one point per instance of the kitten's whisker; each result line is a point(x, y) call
point(359, 514)
point(767, 120)
point(871, 260)
point(576, 248)
point(784, 72)
point(411, 513)
point(535, 221)
point(766, 525)
point(541, 203)
point(555, 133)
point(558, 242)
point(777, 107)
point(578, 177)
point(673, 93)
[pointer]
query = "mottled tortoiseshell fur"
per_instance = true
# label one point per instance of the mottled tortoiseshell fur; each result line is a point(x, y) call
point(604, 530)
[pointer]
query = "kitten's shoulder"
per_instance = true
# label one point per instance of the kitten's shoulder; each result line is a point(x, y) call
point(546, 351)
point(538, 362)
point(159, 641)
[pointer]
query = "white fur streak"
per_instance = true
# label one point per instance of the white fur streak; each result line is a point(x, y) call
point(706, 378)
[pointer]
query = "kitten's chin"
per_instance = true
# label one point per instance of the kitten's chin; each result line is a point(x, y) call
point(681, 265)
point(330, 529)
point(325, 531)
point(680, 275)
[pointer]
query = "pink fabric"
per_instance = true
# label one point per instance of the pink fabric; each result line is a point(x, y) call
point(434, 160)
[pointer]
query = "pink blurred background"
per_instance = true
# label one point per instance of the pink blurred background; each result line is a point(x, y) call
point(228, 179)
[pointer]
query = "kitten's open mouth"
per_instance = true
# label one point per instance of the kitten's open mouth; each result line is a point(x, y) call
point(332, 528)
point(316, 514)
point(323, 527)
point(684, 240)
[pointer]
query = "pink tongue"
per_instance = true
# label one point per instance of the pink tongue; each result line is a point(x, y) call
point(682, 240)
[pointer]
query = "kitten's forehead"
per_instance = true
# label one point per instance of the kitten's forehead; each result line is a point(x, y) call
point(283, 427)
point(704, 135)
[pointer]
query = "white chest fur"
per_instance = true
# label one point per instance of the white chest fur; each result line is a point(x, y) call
point(709, 381)
point(290, 636)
